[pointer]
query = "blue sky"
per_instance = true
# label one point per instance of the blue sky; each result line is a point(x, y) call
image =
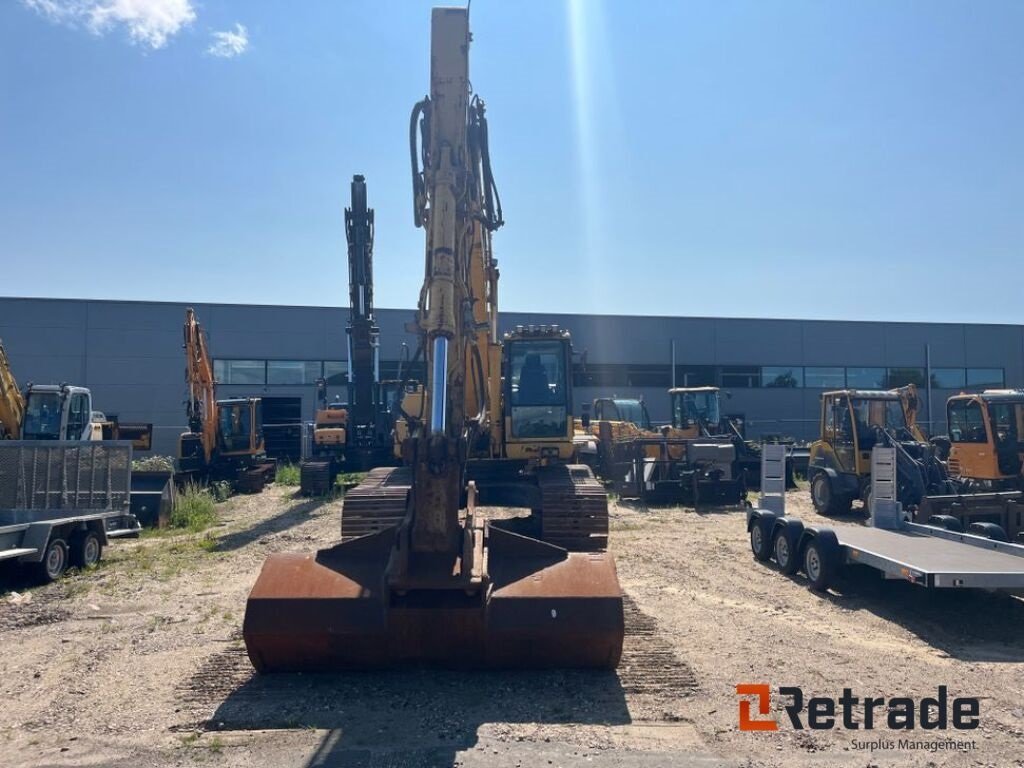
point(855, 160)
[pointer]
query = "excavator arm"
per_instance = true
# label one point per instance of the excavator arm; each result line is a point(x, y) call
point(432, 580)
point(12, 403)
point(201, 403)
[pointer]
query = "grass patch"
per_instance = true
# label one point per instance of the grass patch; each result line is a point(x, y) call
point(195, 510)
point(349, 479)
point(287, 474)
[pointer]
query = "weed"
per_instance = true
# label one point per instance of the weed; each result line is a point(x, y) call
point(349, 479)
point(154, 464)
point(287, 474)
point(220, 490)
point(195, 509)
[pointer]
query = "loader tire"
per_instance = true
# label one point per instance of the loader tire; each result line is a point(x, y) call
point(826, 501)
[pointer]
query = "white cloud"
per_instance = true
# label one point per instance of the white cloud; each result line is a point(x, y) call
point(148, 22)
point(229, 44)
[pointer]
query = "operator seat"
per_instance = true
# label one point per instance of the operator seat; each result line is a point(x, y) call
point(533, 382)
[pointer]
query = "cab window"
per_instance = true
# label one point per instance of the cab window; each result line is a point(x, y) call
point(966, 422)
point(538, 396)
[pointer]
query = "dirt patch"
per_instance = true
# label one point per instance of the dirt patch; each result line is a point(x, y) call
point(141, 662)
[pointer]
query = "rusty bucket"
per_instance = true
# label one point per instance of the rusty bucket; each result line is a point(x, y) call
point(541, 607)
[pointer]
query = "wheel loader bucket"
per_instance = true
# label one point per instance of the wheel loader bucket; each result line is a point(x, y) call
point(333, 610)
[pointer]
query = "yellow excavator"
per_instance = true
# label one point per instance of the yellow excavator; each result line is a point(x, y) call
point(12, 402)
point(445, 584)
point(986, 461)
point(224, 440)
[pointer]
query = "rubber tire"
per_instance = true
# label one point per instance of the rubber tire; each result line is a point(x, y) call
point(826, 501)
point(86, 549)
point(761, 538)
point(784, 537)
point(989, 531)
point(946, 522)
point(819, 563)
point(52, 566)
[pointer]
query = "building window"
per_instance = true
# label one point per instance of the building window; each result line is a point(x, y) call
point(741, 376)
point(695, 375)
point(293, 371)
point(240, 371)
point(901, 377)
point(782, 376)
point(824, 377)
point(985, 377)
point(649, 376)
point(948, 378)
point(599, 375)
point(865, 378)
point(336, 372)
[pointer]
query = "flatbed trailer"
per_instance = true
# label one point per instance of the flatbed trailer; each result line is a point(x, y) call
point(927, 555)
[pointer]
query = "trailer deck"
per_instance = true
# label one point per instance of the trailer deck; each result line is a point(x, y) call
point(934, 557)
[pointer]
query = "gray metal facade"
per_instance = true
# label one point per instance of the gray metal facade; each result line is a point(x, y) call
point(130, 354)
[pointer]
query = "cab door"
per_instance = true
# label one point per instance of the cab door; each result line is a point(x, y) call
point(844, 436)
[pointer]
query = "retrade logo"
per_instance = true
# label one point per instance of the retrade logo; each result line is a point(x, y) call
point(852, 712)
point(763, 694)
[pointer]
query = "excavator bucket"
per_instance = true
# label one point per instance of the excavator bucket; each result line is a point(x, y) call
point(542, 607)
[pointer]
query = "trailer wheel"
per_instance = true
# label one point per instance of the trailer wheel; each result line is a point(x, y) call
point(948, 522)
point(820, 563)
point(86, 549)
point(785, 549)
point(989, 531)
point(54, 562)
point(761, 538)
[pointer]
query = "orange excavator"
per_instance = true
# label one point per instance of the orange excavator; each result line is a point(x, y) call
point(225, 437)
point(444, 584)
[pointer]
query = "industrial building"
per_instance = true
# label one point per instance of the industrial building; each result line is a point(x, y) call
point(129, 354)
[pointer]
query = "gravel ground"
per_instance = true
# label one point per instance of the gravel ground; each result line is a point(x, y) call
point(141, 662)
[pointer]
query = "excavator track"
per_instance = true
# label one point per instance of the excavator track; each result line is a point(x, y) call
point(377, 503)
point(316, 477)
point(574, 511)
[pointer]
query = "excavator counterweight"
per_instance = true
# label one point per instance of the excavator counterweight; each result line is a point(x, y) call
point(431, 580)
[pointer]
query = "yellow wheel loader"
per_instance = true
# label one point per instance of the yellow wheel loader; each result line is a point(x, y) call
point(439, 582)
point(852, 423)
point(671, 465)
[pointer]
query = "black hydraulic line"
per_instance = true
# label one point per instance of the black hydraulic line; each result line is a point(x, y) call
point(415, 157)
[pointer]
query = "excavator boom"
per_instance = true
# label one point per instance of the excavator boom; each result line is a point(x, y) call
point(437, 582)
point(12, 403)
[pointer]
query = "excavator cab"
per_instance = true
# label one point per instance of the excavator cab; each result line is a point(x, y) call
point(986, 435)
point(240, 426)
point(538, 394)
point(57, 412)
point(621, 409)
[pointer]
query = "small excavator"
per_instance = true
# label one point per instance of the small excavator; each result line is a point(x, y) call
point(225, 437)
point(986, 461)
point(440, 582)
